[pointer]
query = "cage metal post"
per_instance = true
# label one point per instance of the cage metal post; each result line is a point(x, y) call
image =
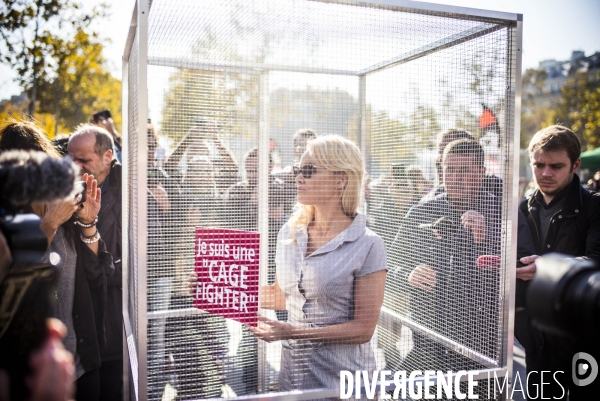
point(128, 341)
point(514, 99)
point(142, 105)
point(125, 217)
point(263, 208)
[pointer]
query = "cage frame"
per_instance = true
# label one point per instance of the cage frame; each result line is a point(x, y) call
point(135, 355)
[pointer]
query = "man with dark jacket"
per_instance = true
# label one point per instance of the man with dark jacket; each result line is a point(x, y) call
point(491, 183)
point(564, 218)
point(91, 148)
point(436, 252)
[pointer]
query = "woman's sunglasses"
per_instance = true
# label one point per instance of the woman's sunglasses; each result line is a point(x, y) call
point(307, 170)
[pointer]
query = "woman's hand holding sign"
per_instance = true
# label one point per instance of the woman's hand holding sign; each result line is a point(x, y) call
point(273, 330)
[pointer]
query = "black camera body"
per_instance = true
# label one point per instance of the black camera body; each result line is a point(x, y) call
point(26, 287)
point(564, 296)
point(104, 114)
point(25, 296)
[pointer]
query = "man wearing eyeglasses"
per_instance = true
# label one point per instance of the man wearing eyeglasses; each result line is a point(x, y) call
point(435, 256)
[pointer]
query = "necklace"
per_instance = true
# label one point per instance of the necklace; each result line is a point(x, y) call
point(62, 236)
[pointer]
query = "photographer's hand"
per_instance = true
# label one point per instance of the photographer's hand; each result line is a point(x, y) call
point(56, 213)
point(52, 367)
point(109, 125)
point(527, 272)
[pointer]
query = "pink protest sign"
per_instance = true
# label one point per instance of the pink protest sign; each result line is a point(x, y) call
point(227, 265)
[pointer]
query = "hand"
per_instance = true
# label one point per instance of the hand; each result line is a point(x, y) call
point(423, 277)
point(52, 367)
point(474, 221)
point(58, 212)
point(192, 283)
point(161, 196)
point(527, 272)
point(273, 330)
point(88, 210)
point(107, 124)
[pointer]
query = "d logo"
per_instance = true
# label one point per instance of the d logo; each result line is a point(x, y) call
point(582, 368)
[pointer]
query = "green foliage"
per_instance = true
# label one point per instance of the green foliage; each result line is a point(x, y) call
point(58, 59)
point(25, 29)
point(82, 84)
point(579, 109)
point(533, 121)
point(535, 109)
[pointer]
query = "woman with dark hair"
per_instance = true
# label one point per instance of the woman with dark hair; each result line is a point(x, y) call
point(80, 294)
point(25, 135)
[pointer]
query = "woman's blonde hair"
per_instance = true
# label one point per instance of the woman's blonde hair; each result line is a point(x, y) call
point(339, 155)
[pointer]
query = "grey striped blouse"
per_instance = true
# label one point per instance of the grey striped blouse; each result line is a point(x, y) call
point(319, 292)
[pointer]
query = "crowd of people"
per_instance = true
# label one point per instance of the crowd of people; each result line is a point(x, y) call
point(415, 247)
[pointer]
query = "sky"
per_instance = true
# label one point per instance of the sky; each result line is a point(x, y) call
point(552, 29)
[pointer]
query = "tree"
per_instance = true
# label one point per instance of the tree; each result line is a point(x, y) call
point(82, 84)
point(535, 108)
point(579, 109)
point(29, 31)
point(59, 61)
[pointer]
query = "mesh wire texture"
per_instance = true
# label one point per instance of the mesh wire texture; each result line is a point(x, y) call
point(207, 62)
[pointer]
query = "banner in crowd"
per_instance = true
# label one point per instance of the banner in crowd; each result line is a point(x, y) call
point(227, 265)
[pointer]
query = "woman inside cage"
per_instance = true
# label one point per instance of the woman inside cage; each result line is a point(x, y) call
point(331, 272)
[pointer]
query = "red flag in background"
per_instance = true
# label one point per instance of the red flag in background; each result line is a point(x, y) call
point(488, 123)
point(487, 119)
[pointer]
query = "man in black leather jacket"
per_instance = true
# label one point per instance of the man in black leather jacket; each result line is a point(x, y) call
point(563, 217)
point(91, 148)
point(435, 255)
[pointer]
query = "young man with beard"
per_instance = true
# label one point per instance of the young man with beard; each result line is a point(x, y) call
point(565, 218)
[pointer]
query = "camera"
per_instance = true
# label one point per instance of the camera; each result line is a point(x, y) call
point(564, 296)
point(25, 290)
point(25, 295)
point(80, 189)
point(104, 114)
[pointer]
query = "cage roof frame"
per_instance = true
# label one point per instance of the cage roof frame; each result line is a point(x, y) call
point(449, 11)
point(501, 19)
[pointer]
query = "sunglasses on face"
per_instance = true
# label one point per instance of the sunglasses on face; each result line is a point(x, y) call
point(307, 170)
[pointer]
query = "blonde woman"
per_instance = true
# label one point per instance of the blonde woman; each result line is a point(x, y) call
point(331, 272)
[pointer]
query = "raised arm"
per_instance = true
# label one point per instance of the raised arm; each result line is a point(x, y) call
point(173, 160)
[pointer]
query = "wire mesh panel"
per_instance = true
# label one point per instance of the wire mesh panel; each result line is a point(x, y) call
point(385, 245)
point(132, 263)
point(457, 295)
point(194, 353)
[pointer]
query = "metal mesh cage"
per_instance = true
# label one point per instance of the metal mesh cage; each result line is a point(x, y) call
point(218, 93)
